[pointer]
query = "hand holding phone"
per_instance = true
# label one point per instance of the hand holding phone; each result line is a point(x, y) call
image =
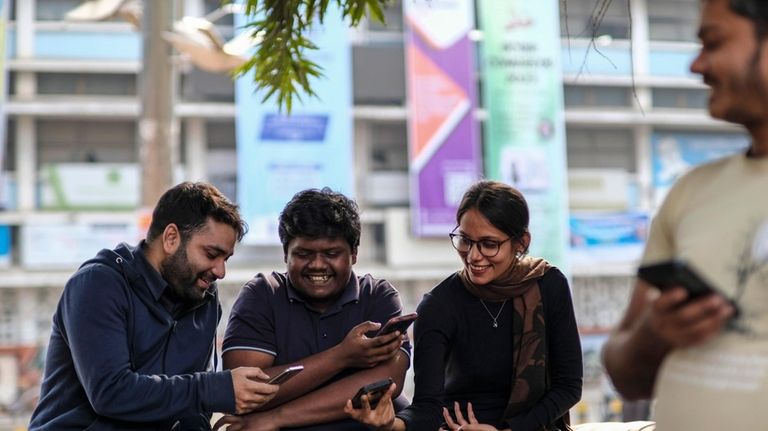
point(668, 274)
point(399, 323)
point(374, 391)
point(285, 375)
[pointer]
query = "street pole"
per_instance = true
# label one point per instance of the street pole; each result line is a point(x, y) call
point(157, 131)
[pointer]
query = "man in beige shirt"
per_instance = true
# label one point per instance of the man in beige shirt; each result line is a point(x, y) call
point(707, 367)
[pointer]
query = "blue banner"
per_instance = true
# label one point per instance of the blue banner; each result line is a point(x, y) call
point(673, 154)
point(279, 155)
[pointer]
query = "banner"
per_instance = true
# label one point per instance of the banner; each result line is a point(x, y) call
point(525, 131)
point(673, 154)
point(279, 155)
point(3, 89)
point(443, 141)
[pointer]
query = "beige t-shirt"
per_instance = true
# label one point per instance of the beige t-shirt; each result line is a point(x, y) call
point(716, 218)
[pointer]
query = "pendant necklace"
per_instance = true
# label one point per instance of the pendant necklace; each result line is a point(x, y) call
point(495, 318)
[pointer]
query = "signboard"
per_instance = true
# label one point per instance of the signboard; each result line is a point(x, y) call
point(525, 130)
point(443, 137)
point(278, 154)
point(674, 154)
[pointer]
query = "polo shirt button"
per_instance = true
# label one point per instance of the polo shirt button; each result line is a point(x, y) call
point(325, 335)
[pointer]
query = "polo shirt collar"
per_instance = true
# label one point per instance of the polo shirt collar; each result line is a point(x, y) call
point(351, 294)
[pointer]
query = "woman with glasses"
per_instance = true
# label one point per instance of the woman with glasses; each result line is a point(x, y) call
point(496, 343)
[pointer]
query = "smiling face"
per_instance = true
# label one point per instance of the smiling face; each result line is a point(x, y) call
point(732, 62)
point(198, 261)
point(319, 268)
point(482, 269)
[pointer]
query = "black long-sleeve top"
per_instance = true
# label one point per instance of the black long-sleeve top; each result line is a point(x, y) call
point(460, 356)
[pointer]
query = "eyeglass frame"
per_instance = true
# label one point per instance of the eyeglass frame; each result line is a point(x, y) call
point(472, 243)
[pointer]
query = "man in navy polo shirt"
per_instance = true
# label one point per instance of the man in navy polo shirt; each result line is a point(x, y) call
point(318, 314)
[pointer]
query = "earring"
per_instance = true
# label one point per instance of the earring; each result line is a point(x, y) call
point(519, 255)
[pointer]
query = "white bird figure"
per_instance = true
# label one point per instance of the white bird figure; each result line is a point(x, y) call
point(100, 10)
point(198, 41)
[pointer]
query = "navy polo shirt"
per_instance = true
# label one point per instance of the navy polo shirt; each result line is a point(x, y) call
point(269, 316)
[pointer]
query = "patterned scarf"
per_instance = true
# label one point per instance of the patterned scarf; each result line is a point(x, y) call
point(529, 365)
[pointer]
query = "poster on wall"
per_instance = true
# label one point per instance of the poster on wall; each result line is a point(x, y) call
point(3, 91)
point(525, 130)
point(673, 154)
point(280, 154)
point(443, 137)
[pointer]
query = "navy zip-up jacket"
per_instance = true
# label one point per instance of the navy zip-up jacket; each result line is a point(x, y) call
point(118, 360)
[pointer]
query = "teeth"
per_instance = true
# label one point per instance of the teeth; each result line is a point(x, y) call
point(319, 278)
point(477, 267)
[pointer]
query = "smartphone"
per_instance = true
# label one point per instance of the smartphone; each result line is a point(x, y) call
point(374, 391)
point(285, 375)
point(665, 275)
point(399, 323)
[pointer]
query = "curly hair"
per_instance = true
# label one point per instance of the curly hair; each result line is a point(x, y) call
point(314, 213)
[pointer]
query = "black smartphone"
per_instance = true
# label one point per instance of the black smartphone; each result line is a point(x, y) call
point(374, 391)
point(285, 375)
point(665, 275)
point(399, 323)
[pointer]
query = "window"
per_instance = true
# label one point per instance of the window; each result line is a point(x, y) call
point(673, 20)
point(577, 18)
point(70, 141)
point(389, 147)
point(86, 84)
point(393, 18)
point(53, 10)
point(600, 149)
point(680, 98)
point(586, 96)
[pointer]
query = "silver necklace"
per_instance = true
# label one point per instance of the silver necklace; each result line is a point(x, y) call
point(495, 318)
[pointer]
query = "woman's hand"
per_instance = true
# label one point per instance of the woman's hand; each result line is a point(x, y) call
point(382, 418)
point(461, 424)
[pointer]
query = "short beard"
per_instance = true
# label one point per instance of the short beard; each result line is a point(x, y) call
point(178, 274)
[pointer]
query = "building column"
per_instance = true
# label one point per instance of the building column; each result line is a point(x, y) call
point(196, 145)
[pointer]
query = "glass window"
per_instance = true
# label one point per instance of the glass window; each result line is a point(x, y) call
point(9, 159)
point(70, 140)
point(378, 76)
point(587, 96)
point(600, 149)
point(577, 18)
point(220, 134)
point(53, 10)
point(393, 18)
point(86, 84)
point(389, 147)
point(680, 98)
point(673, 20)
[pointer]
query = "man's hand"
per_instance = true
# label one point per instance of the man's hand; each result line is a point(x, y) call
point(252, 422)
point(249, 392)
point(382, 418)
point(359, 351)
point(679, 324)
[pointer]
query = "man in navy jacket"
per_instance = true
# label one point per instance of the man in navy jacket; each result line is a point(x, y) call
point(135, 329)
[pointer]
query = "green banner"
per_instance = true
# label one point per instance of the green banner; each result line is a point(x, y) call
point(525, 131)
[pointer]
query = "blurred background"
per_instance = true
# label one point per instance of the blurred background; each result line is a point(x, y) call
point(626, 118)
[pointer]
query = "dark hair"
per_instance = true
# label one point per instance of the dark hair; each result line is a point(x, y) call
point(189, 205)
point(754, 10)
point(314, 213)
point(503, 205)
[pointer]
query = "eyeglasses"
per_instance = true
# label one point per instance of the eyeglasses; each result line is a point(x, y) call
point(486, 247)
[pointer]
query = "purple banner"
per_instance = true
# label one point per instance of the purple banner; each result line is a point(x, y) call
point(443, 138)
